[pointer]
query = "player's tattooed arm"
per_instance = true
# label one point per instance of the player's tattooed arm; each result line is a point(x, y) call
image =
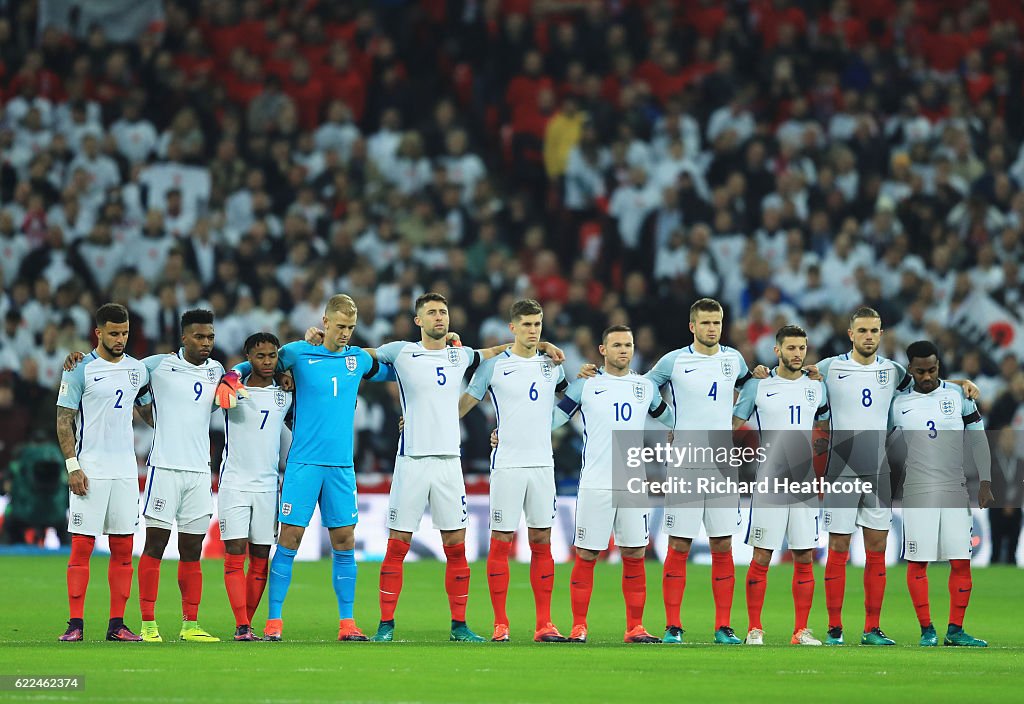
point(72, 360)
point(146, 414)
point(77, 481)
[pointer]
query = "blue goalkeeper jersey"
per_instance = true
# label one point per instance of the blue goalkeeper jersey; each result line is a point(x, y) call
point(326, 387)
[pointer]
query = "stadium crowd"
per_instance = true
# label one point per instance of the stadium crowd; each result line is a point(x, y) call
point(614, 160)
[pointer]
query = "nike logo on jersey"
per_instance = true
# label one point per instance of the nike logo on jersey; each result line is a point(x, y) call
point(903, 413)
point(509, 372)
point(417, 354)
point(774, 394)
point(315, 361)
point(600, 392)
point(98, 378)
point(687, 371)
point(843, 376)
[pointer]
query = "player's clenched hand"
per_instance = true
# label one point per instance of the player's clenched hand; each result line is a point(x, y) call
point(587, 371)
point(72, 360)
point(78, 483)
point(760, 372)
point(285, 380)
point(811, 370)
point(985, 498)
point(494, 438)
point(314, 336)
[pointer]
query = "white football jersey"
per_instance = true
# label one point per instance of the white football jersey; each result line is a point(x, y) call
point(859, 397)
point(183, 401)
point(702, 386)
point(429, 384)
point(933, 428)
point(103, 393)
point(608, 404)
point(522, 390)
point(859, 394)
point(252, 440)
point(790, 405)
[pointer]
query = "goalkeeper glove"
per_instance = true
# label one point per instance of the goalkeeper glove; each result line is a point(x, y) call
point(229, 389)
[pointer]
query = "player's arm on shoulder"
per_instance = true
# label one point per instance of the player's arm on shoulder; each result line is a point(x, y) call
point(555, 354)
point(905, 380)
point(744, 406)
point(661, 373)
point(565, 409)
point(387, 353)
point(477, 388)
point(490, 352)
point(968, 387)
point(375, 369)
point(72, 360)
point(743, 375)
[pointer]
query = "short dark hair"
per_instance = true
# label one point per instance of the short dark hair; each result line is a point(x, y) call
point(526, 306)
point(196, 316)
point(429, 297)
point(705, 305)
point(614, 328)
point(111, 313)
point(921, 350)
point(864, 312)
point(257, 338)
point(789, 331)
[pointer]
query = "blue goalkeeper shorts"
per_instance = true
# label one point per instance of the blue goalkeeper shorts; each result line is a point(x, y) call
point(333, 487)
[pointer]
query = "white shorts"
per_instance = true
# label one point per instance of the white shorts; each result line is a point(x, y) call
point(597, 518)
point(175, 495)
point(844, 520)
point(720, 516)
point(110, 507)
point(518, 489)
point(769, 526)
point(421, 481)
point(248, 515)
point(938, 533)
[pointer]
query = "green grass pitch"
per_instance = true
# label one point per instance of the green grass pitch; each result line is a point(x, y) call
point(312, 667)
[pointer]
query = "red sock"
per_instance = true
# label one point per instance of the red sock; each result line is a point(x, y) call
point(835, 585)
point(634, 589)
point(119, 573)
point(497, 578)
point(190, 582)
point(581, 586)
point(803, 593)
point(456, 580)
point(874, 588)
point(234, 581)
point(723, 584)
point(149, 584)
point(959, 590)
point(391, 578)
point(757, 583)
point(917, 583)
point(78, 572)
point(673, 584)
point(255, 583)
point(542, 579)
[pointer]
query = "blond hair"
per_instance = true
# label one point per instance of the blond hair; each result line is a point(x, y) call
point(341, 303)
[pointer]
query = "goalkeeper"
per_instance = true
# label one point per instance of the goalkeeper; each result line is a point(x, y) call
point(320, 466)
